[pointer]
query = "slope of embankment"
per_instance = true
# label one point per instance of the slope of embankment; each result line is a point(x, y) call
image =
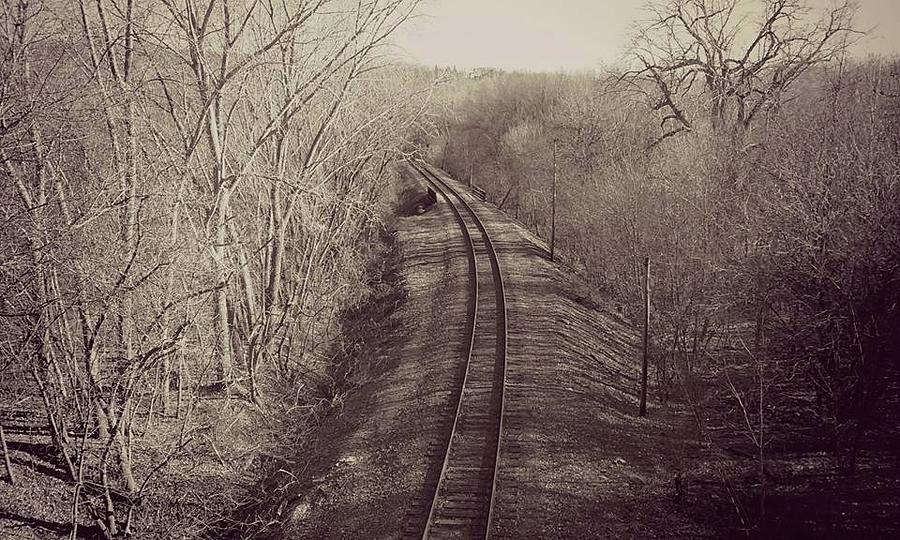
point(575, 462)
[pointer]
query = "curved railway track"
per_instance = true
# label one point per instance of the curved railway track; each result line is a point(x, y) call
point(463, 499)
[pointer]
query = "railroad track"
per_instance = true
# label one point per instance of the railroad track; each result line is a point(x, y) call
point(464, 496)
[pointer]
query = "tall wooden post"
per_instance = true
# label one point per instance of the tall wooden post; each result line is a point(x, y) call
point(646, 340)
point(553, 209)
point(468, 166)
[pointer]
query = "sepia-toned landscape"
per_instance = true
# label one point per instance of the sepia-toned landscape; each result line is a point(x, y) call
point(309, 269)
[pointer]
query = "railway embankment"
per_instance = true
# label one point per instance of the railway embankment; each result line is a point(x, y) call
point(575, 460)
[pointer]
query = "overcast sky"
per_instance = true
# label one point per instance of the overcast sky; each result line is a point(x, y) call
point(548, 35)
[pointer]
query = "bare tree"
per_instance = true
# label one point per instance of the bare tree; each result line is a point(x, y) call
point(691, 48)
point(308, 50)
point(175, 171)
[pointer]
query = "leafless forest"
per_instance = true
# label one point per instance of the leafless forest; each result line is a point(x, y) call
point(762, 184)
point(197, 193)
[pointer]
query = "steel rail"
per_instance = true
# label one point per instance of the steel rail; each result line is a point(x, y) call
point(501, 338)
point(473, 269)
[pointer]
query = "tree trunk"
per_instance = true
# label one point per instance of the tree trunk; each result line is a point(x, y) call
point(6, 461)
point(109, 507)
point(220, 314)
point(273, 290)
point(166, 379)
point(124, 436)
point(129, 229)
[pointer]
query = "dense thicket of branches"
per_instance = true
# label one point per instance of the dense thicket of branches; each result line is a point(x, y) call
point(775, 242)
point(185, 188)
point(741, 60)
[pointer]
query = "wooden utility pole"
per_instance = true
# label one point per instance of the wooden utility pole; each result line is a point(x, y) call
point(646, 337)
point(468, 166)
point(553, 209)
